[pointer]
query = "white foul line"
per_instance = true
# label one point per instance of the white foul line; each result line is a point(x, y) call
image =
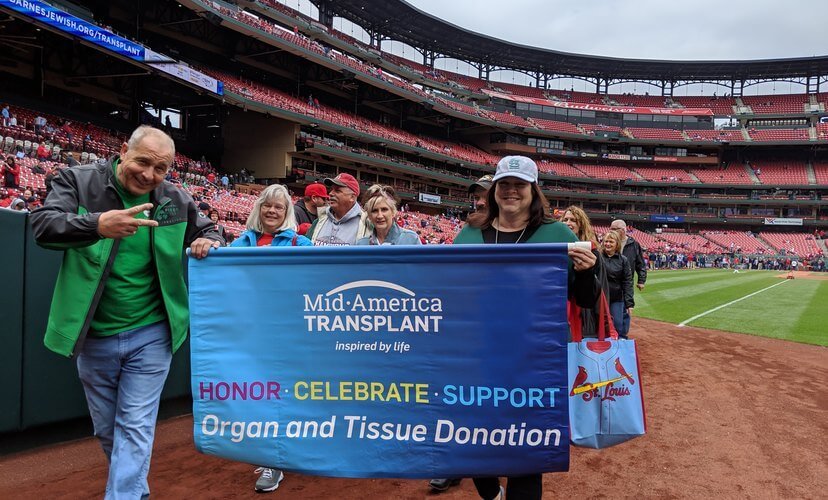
point(705, 313)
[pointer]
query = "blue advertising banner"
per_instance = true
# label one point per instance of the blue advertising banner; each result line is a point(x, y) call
point(393, 361)
point(666, 218)
point(75, 26)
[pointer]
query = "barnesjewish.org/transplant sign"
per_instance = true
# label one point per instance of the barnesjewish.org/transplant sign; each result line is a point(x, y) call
point(395, 361)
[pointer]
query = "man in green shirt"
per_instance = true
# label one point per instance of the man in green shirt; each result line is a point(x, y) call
point(120, 303)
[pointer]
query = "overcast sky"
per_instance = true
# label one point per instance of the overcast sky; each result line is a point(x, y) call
point(649, 29)
point(637, 29)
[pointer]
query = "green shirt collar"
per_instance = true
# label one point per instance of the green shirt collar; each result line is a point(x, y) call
point(129, 199)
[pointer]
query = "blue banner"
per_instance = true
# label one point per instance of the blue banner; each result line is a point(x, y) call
point(75, 26)
point(417, 362)
point(666, 218)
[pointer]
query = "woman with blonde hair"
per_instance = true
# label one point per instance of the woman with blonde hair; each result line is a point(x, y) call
point(620, 279)
point(380, 203)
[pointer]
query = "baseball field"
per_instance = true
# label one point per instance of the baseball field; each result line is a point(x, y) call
point(729, 415)
point(761, 303)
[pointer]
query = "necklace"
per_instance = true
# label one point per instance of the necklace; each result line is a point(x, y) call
point(497, 233)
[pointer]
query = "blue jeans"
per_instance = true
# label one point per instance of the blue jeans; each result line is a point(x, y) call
point(122, 376)
point(626, 323)
point(620, 318)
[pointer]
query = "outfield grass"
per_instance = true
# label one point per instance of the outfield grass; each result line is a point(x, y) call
point(796, 310)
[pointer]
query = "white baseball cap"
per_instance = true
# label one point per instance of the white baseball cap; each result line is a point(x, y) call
point(516, 166)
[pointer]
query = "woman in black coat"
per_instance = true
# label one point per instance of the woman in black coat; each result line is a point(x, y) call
point(620, 279)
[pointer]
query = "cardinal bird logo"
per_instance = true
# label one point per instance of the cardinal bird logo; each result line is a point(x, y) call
point(620, 369)
point(591, 390)
point(579, 380)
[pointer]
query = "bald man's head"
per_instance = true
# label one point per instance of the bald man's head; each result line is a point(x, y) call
point(620, 226)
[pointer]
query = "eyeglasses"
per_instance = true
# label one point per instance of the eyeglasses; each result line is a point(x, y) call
point(278, 208)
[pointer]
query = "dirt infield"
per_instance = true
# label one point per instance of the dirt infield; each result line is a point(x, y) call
point(805, 275)
point(730, 416)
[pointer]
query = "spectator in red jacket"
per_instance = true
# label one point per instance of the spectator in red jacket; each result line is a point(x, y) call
point(11, 173)
point(5, 198)
point(43, 152)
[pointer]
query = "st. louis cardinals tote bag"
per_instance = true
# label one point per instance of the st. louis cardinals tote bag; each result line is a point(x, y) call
point(606, 404)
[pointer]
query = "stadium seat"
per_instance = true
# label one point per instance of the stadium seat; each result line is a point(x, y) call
point(780, 134)
point(777, 104)
point(799, 244)
point(780, 172)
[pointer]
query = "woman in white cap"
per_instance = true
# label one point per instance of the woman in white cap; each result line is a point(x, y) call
point(518, 212)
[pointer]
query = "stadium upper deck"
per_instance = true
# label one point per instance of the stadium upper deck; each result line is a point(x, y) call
point(435, 38)
point(399, 20)
point(409, 132)
point(665, 119)
point(578, 119)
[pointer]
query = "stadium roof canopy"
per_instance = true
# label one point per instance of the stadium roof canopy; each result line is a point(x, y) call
point(399, 20)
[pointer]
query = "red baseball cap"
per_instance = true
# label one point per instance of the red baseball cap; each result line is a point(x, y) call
point(344, 180)
point(316, 189)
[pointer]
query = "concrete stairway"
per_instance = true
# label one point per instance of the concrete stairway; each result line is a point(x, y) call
point(751, 174)
point(809, 169)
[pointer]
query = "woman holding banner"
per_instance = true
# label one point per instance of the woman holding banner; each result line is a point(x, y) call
point(517, 212)
point(381, 207)
point(271, 223)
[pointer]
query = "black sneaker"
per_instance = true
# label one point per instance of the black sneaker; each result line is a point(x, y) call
point(443, 484)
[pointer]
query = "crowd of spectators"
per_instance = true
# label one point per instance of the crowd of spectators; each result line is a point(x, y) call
point(26, 174)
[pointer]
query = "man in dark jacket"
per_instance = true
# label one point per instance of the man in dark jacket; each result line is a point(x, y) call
point(307, 209)
point(120, 302)
point(70, 160)
point(478, 192)
point(47, 181)
point(631, 249)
